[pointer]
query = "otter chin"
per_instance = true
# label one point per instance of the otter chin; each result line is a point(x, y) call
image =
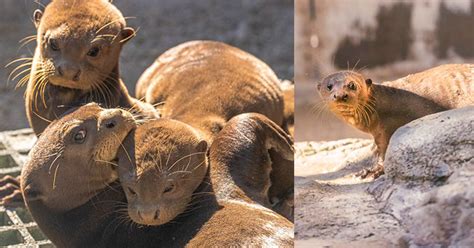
point(165, 164)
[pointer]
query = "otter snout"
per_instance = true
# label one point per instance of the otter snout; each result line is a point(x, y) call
point(69, 72)
point(340, 97)
point(148, 215)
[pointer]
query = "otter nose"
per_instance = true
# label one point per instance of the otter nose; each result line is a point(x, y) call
point(148, 215)
point(69, 72)
point(343, 97)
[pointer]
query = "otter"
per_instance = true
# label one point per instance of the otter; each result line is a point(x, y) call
point(170, 163)
point(206, 83)
point(56, 201)
point(169, 180)
point(380, 109)
point(71, 164)
point(76, 61)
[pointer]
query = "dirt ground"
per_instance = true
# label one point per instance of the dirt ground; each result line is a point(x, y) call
point(333, 206)
point(262, 27)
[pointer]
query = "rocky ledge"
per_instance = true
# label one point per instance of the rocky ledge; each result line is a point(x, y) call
point(425, 199)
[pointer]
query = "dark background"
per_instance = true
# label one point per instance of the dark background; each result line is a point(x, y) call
point(261, 27)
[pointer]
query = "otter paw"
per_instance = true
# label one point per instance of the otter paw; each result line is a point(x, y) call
point(374, 172)
point(10, 193)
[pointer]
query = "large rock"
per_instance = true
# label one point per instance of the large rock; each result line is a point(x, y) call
point(445, 216)
point(433, 147)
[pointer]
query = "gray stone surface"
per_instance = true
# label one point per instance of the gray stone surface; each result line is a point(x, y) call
point(426, 199)
point(432, 147)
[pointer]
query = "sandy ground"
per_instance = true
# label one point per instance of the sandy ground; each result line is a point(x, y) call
point(262, 27)
point(333, 207)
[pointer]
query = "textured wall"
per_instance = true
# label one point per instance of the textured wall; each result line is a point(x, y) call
point(382, 34)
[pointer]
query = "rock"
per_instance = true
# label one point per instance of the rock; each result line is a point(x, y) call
point(433, 147)
point(446, 217)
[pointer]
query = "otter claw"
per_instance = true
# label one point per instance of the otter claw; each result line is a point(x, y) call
point(10, 194)
point(373, 173)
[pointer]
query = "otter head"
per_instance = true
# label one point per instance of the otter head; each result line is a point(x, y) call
point(79, 43)
point(345, 92)
point(165, 165)
point(73, 157)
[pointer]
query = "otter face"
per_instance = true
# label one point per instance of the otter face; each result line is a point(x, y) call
point(72, 158)
point(160, 176)
point(344, 91)
point(79, 46)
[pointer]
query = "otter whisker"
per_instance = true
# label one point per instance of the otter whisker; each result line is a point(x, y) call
point(107, 162)
point(41, 117)
point(17, 68)
point(55, 175)
point(125, 150)
point(186, 156)
point(112, 22)
point(17, 60)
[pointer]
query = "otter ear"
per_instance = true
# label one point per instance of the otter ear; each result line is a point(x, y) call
point(201, 146)
point(368, 81)
point(37, 17)
point(126, 34)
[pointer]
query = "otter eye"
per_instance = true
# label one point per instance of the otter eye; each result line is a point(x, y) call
point(169, 187)
point(80, 136)
point(351, 85)
point(93, 52)
point(131, 191)
point(329, 87)
point(53, 44)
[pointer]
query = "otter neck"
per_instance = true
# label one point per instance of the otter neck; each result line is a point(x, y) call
point(409, 106)
point(223, 183)
point(46, 102)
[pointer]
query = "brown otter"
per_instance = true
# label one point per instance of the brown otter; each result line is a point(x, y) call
point(76, 61)
point(380, 109)
point(56, 200)
point(206, 83)
point(164, 177)
point(71, 163)
point(169, 163)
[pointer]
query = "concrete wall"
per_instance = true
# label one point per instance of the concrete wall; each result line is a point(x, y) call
point(337, 34)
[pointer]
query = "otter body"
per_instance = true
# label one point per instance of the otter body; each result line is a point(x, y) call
point(91, 211)
point(206, 83)
point(380, 109)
